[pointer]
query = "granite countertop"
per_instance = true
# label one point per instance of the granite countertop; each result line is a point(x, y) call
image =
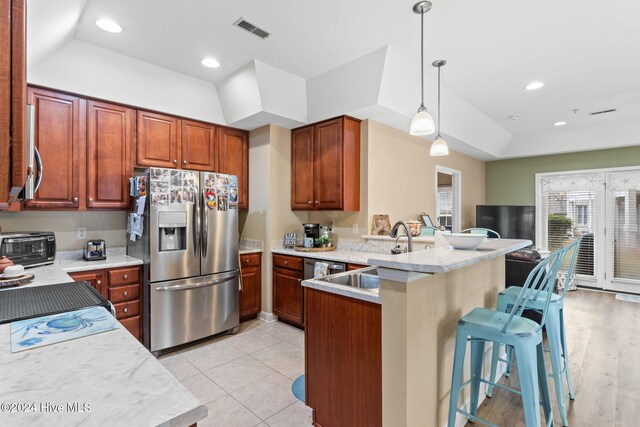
point(372, 295)
point(112, 372)
point(72, 262)
point(443, 259)
point(244, 251)
point(339, 255)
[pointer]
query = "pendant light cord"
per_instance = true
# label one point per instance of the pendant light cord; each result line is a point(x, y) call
point(422, 59)
point(439, 100)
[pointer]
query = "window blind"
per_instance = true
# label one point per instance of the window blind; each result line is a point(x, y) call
point(623, 212)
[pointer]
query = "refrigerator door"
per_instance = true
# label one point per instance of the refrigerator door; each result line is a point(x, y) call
point(173, 227)
point(220, 236)
point(186, 310)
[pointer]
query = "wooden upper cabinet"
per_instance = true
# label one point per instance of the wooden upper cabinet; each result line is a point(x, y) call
point(109, 155)
point(325, 164)
point(158, 140)
point(198, 146)
point(59, 138)
point(302, 169)
point(13, 99)
point(233, 159)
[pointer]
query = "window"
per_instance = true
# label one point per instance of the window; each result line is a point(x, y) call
point(581, 214)
point(445, 207)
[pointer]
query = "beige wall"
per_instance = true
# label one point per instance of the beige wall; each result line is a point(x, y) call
point(110, 226)
point(402, 176)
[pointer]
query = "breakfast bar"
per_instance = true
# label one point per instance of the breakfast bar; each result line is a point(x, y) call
point(421, 296)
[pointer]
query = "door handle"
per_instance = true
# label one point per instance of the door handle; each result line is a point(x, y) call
point(205, 225)
point(196, 220)
point(195, 285)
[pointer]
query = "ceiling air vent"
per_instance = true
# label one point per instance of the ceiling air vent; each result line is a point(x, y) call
point(596, 113)
point(253, 29)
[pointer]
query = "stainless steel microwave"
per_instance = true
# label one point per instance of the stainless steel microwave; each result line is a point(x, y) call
point(28, 248)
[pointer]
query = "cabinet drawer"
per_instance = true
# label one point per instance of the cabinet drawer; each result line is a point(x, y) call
point(290, 262)
point(127, 309)
point(124, 276)
point(132, 324)
point(250, 260)
point(124, 293)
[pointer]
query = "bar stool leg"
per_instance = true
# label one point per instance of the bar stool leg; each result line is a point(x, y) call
point(544, 385)
point(555, 350)
point(527, 374)
point(456, 377)
point(565, 355)
point(495, 354)
point(477, 358)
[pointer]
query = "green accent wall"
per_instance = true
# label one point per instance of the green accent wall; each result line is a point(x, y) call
point(512, 181)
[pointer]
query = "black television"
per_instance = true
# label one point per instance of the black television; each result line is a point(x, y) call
point(511, 222)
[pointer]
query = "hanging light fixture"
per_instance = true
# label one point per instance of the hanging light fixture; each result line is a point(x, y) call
point(422, 123)
point(439, 146)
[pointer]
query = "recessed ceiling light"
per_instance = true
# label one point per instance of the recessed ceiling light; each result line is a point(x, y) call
point(560, 123)
point(210, 62)
point(109, 25)
point(534, 85)
point(514, 117)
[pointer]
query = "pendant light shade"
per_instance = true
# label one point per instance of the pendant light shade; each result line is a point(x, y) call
point(422, 123)
point(439, 146)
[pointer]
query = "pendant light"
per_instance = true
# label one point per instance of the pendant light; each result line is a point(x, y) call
point(439, 146)
point(422, 123)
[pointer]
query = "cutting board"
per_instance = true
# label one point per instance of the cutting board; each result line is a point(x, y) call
point(17, 281)
point(303, 249)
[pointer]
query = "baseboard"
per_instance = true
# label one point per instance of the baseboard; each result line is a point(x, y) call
point(267, 317)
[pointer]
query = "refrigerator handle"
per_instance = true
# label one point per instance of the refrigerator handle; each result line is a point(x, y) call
point(196, 221)
point(205, 225)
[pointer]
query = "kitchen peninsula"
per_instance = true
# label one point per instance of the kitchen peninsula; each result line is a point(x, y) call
point(400, 356)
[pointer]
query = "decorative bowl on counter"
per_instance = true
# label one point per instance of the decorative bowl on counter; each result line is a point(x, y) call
point(464, 240)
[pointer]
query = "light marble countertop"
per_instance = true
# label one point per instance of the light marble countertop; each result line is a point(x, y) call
point(339, 255)
point(372, 295)
point(111, 371)
point(443, 259)
point(244, 251)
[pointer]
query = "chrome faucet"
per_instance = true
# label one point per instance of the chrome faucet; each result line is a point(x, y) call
point(394, 233)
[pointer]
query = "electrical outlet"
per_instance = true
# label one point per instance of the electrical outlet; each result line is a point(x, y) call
point(81, 233)
point(354, 229)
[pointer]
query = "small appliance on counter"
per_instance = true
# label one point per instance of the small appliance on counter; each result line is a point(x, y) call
point(28, 248)
point(95, 250)
point(312, 232)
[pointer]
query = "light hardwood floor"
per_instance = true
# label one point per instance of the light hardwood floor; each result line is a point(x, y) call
point(604, 353)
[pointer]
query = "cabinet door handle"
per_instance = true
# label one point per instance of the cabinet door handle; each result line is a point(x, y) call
point(75, 199)
point(126, 309)
point(316, 202)
point(125, 276)
point(184, 162)
point(175, 162)
point(286, 262)
point(90, 200)
point(125, 293)
point(310, 202)
point(98, 282)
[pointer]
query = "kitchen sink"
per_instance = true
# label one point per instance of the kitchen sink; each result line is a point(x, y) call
point(364, 278)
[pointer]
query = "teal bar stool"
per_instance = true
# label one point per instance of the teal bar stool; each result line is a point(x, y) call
point(523, 335)
point(555, 329)
point(491, 234)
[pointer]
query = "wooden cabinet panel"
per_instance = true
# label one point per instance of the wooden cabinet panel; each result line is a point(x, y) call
point(127, 309)
point(343, 340)
point(250, 260)
point(95, 279)
point(132, 324)
point(233, 159)
point(59, 137)
point(351, 267)
point(109, 145)
point(158, 140)
point(198, 145)
point(327, 166)
point(287, 295)
point(124, 276)
point(285, 261)
point(251, 293)
point(302, 169)
point(124, 293)
point(5, 101)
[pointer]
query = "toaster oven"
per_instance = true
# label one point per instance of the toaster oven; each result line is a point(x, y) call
point(28, 248)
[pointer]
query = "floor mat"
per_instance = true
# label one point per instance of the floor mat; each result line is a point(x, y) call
point(297, 388)
point(628, 298)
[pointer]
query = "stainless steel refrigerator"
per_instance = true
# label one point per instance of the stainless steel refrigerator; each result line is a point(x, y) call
point(187, 235)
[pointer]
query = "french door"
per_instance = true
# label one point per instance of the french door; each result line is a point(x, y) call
point(602, 207)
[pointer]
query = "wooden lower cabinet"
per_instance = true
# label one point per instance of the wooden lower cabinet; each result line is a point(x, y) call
point(343, 360)
point(351, 267)
point(251, 293)
point(287, 293)
point(122, 286)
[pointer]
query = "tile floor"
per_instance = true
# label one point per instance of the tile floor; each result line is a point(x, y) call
point(245, 379)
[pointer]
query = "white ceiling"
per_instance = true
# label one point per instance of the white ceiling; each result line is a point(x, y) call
point(585, 52)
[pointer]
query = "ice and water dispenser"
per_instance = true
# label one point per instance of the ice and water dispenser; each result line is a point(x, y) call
point(172, 228)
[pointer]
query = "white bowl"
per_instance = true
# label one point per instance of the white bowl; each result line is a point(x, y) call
point(464, 240)
point(13, 271)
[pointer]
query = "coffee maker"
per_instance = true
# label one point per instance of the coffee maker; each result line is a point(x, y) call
point(311, 231)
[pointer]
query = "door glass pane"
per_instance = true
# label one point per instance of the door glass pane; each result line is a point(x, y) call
point(624, 197)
